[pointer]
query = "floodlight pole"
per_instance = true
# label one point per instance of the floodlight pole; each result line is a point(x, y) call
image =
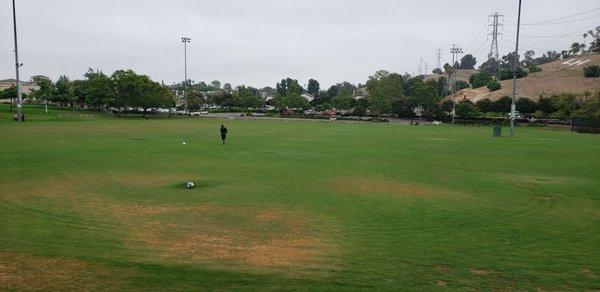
point(513, 106)
point(17, 64)
point(185, 41)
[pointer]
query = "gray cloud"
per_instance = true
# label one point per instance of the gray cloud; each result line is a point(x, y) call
point(260, 42)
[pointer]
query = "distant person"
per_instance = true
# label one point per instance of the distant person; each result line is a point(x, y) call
point(15, 117)
point(223, 133)
point(22, 118)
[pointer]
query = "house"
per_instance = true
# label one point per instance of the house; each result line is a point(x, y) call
point(308, 96)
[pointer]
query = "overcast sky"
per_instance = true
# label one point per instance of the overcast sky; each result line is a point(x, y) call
point(258, 42)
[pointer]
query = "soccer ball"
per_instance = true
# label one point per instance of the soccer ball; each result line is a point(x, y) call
point(183, 143)
point(189, 185)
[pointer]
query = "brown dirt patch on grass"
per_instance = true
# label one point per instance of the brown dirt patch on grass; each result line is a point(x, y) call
point(268, 216)
point(226, 237)
point(545, 197)
point(375, 186)
point(19, 271)
point(443, 268)
point(590, 273)
point(478, 271)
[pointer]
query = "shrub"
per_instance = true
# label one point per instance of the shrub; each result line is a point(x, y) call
point(480, 79)
point(505, 74)
point(460, 84)
point(503, 104)
point(589, 113)
point(494, 85)
point(359, 111)
point(466, 110)
point(534, 68)
point(526, 105)
point(591, 71)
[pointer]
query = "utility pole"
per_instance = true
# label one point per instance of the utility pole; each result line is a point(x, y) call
point(495, 33)
point(439, 58)
point(455, 50)
point(185, 41)
point(17, 64)
point(513, 106)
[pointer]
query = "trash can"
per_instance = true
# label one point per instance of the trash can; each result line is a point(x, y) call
point(497, 132)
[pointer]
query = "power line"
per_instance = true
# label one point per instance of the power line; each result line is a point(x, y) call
point(542, 36)
point(556, 19)
point(485, 26)
point(564, 35)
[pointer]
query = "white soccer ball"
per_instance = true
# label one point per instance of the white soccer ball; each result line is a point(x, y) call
point(183, 143)
point(189, 185)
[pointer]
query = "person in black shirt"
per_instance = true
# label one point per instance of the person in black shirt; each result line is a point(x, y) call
point(223, 133)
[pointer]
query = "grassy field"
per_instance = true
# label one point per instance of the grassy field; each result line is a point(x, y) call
point(93, 202)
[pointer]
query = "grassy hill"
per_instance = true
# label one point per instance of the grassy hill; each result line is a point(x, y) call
point(555, 77)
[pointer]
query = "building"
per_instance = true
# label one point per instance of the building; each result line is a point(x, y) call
point(26, 86)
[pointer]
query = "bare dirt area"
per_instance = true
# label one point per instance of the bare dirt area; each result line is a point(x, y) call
point(380, 186)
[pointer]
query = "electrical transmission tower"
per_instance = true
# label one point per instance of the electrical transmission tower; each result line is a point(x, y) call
point(455, 50)
point(421, 67)
point(494, 34)
point(439, 58)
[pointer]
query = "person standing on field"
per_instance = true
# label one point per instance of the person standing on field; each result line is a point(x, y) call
point(223, 133)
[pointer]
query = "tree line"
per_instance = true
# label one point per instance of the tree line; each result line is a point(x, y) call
point(122, 90)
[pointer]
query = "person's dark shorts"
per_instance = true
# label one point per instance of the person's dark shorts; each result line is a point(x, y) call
point(223, 136)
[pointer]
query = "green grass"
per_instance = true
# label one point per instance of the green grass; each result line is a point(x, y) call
point(300, 205)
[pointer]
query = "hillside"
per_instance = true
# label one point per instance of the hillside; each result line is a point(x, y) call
point(556, 77)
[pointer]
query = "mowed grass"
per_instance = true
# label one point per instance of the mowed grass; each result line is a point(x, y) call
point(99, 203)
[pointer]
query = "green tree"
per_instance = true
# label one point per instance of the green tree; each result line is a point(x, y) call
point(437, 71)
point(491, 66)
point(566, 104)
point(296, 101)
point(493, 85)
point(466, 110)
point(64, 90)
point(485, 106)
point(467, 62)
point(503, 104)
point(332, 92)
point(426, 97)
point(595, 43)
point(480, 79)
point(589, 113)
point(460, 85)
point(246, 97)
point(526, 105)
point(546, 106)
point(289, 86)
point(343, 100)
point(100, 90)
point(313, 87)
point(128, 87)
point(10, 93)
point(216, 84)
point(384, 87)
point(46, 90)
